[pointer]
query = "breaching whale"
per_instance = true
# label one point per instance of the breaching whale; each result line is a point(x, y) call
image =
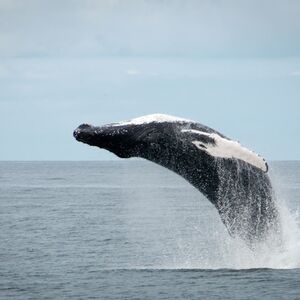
point(233, 178)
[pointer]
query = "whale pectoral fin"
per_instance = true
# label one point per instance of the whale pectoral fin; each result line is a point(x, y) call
point(220, 146)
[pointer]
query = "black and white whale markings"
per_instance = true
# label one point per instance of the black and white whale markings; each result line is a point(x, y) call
point(232, 177)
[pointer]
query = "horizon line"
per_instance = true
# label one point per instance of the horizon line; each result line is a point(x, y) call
point(119, 160)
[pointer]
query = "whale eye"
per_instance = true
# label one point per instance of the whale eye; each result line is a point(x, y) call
point(202, 146)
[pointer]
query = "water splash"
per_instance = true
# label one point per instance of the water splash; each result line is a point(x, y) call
point(191, 234)
point(268, 254)
point(277, 251)
point(289, 254)
point(222, 251)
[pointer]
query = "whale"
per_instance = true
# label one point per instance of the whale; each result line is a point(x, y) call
point(232, 177)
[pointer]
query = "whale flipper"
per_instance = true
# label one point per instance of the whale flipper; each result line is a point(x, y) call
point(233, 178)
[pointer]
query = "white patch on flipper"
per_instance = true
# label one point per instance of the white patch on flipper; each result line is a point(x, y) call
point(228, 149)
point(158, 118)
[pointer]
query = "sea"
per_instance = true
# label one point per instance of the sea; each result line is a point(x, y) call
point(129, 229)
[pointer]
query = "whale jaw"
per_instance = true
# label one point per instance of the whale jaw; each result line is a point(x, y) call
point(84, 133)
point(111, 138)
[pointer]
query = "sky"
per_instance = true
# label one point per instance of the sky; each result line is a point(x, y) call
point(231, 65)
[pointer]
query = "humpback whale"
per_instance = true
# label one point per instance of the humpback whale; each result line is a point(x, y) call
point(233, 178)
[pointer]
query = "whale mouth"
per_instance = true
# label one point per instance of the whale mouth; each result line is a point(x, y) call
point(112, 138)
point(84, 133)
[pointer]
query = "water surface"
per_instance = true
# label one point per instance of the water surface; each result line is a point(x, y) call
point(133, 230)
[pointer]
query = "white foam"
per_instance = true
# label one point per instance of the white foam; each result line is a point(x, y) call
point(228, 149)
point(157, 118)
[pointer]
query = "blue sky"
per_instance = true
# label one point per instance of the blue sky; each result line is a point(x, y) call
point(232, 65)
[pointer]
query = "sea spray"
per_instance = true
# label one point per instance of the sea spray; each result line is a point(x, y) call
point(276, 251)
point(224, 252)
point(205, 243)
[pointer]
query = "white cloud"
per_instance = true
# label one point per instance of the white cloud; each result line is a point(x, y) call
point(133, 72)
point(295, 73)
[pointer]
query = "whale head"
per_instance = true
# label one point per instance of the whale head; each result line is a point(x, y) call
point(115, 139)
point(138, 137)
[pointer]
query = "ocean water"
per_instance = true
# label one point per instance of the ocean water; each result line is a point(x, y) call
point(129, 229)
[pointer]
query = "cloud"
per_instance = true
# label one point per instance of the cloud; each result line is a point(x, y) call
point(207, 28)
point(295, 73)
point(133, 72)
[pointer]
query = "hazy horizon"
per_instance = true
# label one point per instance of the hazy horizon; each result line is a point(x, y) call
point(117, 159)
